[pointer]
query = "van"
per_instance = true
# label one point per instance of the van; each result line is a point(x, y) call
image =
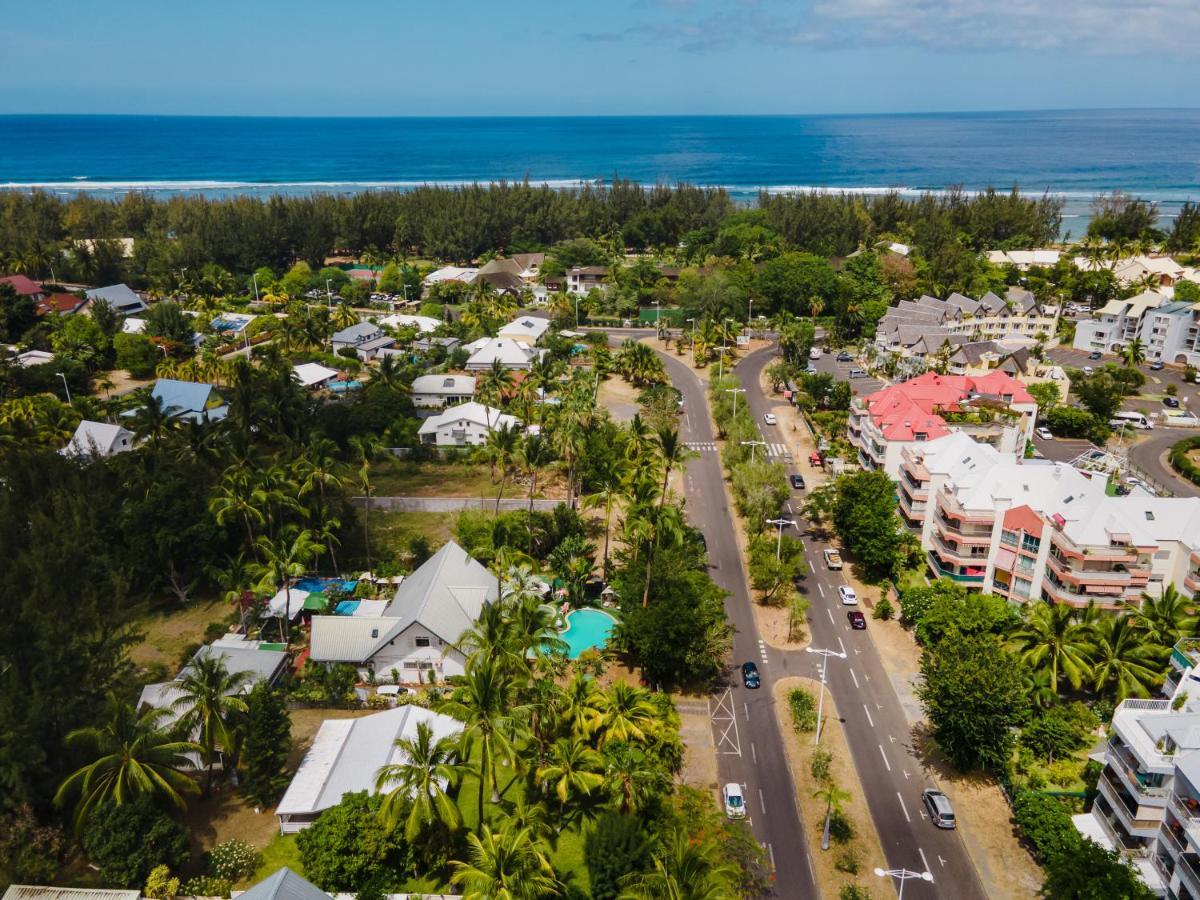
point(857, 373)
point(1130, 419)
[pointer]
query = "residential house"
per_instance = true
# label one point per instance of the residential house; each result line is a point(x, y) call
point(60, 304)
point(346, 756)
point(423, 324)
point(1024, 259)
point(581, 279)
point(461, 274)
point(1160, 271)
point(513, 273)
point(45, 892)
point(527, 329)
point(31, 358)
point(314, 375)
point(427, 344)
point(437, 391)
point(420, 628)
point(121, 297)
point(366, 339)
point(510, 353)
point(98, 439)
point(25, 287)
point(256, 660)
point(189, 400)
point(465, 425)
point(995, 408)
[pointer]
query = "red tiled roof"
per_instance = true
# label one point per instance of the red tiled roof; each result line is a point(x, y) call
point(22, 285)
point(59, 303)
point(903, 410)
point(1023, 518)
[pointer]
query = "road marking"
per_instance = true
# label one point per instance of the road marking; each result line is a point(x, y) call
point(821, 588)
point(854, 678)
point(868, 712)
point(907, 817)
point(923, 859)
point(886, 763)
point(762, 804)
point(771, 853)
point(753, 753)
point(942, 861)
point(746, 710)
point(829, 612)
point(724, 721)
point(843, 646)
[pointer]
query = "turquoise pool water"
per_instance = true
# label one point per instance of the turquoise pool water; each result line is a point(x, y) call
point(587, 628)
point(313, 585)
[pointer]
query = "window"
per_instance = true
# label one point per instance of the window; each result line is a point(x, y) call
point(422, 642)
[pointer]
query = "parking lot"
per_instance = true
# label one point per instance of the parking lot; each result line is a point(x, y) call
point(1152, 393)
point(841, 371)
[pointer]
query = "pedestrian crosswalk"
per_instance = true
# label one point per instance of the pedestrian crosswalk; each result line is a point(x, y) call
point(701, 446)
point(779, 451)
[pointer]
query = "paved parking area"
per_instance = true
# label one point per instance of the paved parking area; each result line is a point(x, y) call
point(841, 371)
point(1062, 449)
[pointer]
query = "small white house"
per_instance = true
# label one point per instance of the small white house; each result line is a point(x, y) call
point(98, 439)
point(314, 375)
point(365, 339)
point(466, 425)
point(510, 353)
point(423, 324)
point(527, 329)
point(437, 391)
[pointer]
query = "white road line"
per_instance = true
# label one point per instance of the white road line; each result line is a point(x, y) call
point(762, 805)
point(854, 678)
point(907, 817)
point(923, 859)
point(771, 853)
point(888, 764)
point(754, 753)
point(869, 719)
point(821, 588)
point(746, 710)
point(843, 646)
point(829, 612)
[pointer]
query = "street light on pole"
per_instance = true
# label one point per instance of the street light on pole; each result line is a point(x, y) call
point(903, 875)
point(254, 277)
point(66, 387)
point(721, 365)
point(825, 654)
point(752, 445)
point(735, 392)
point(780, 523)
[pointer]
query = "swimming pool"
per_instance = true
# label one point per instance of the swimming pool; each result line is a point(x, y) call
point(314, 585)
point(587, 628)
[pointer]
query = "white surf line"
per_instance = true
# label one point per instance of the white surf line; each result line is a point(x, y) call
point(886, 763)
point(854, 678)
point(907, 817)
point(869, 719)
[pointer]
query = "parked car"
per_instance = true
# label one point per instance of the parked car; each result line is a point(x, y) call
point(940, 810)
point(810, 369)
point(814, 459)
point(735, 803)
point(1156, 366)
point(1088, 370)
point(750, 675)
point(833, 559)
point(857, 620)
point(1044, 434)
point(849, 598)
point(857, 373)
point(1095, 354)
point(843, 356)
point(797, 482)
point(1171, 402)
point(814, 353)
point(769, 418)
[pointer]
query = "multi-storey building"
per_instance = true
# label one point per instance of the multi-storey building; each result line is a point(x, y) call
point(993, 408)
point(1017, 318)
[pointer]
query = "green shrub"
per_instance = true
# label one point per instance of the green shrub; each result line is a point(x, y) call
point(1180, 462)
point(847, 861)
point(161, 885)
point(853, 892)
point(841, 829)
point(29, 850)
point(819, 766)
point(205, 886)
point(883, 609)
point(1045, 826)
point(126, 842)
point(233, 860)
point(804, 709)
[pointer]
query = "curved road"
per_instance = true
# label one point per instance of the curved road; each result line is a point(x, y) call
point(1147, 455)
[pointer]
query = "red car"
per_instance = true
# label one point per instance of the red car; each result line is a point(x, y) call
point(814, 459)
point(857, 620)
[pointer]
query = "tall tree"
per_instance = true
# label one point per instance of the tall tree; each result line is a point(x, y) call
point(416, 788)
point(266, 744)
point(507, 864)
point(209, 707)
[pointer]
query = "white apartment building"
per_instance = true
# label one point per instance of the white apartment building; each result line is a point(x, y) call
point(1169, 330)
point(1116, 323)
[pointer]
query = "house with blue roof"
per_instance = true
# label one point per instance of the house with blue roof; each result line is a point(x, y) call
point(189, 400)
point(121, 297)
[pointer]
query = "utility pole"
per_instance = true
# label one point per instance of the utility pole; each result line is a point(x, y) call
point(780, 523)
point(735, 392)
point(752, 445)
point(66, 387)
point(825, 654)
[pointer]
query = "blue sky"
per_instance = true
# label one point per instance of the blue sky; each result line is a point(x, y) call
point(535, 57)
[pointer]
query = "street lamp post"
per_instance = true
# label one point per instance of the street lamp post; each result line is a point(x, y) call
point(825, 654)
point(752, 445)
point(903, 875)
point(576, 310)
point(735, 392)
point(749, 315)
point(780, 523)
point(66, 387)
point(254, 277)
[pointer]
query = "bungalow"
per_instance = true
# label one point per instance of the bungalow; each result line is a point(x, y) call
point(437, 391)
point(466, 425)
point(31, 358)
point(190, 400)
point(423, 324)
point(284, 884)
point(426, 344)
point(25, 287)
point(345, 758)
point(461, 274)
point(527, 329)
point(513, 273)
point(510, 353)
point(314, 375)
point(365, 339)
point(582, 279)
point(121, 297)
point(421, 626)
point(98, 439)
point(60, 304)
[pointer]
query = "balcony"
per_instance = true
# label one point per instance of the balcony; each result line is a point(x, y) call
point(1126, 808)
point(956, 530)
point(940, 568)
point(957, 553)
point(1186, 653)
point(1187, 866)
point(1109, 554)
point(1191, 581)
point(1188, 818)
point(1127, 846)
point(1059, 593)
point(1128, 766)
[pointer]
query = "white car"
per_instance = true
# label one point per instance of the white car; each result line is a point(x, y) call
point(1044, 434)
point(849, 598)
point(769, 418)
point(735, 803)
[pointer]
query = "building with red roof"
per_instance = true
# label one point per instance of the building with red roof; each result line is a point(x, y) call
point(60, 304)
point(24, 286)
point(994, 408)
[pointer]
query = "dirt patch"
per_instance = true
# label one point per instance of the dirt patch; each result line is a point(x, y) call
point(800, 750)
point(399, 478)
point(619, 397)
point(122, 383)
point(169, 633)
point(699, 751)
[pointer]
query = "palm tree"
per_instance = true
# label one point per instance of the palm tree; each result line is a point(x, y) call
point(1053, 639)
point(285, 559)
point(429, 767)
point(319, 469)
point(684, 869)
point(507, 864)
point(1134, 353)
point(495, 385)
point(1166, 619)
point(1123, 662)
point(578, 705)
point(573, 769)
point(532, 455)
point(234, 578)
point(239, 497)
point(133, 756)
point(609, 487)
point(209, 705)
point(625, 713)
point(672, 453)
point(152, 419)
point(483, 702)
point(499, 449)
point(834, 798)
point(368, 447)
point(630, 778)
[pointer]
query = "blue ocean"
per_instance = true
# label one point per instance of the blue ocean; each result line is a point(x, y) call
point(1076, 154)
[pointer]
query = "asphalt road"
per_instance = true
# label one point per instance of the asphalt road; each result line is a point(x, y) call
point(877, 731)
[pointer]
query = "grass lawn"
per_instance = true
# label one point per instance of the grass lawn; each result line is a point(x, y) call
point(399, 478)
point(911, 578)
point(282, 851)
point(391, 530)
point(169, 633)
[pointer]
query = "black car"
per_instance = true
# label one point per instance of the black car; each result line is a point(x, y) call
point(857, 620)
point(1171, 402)
point(750, 675)
point(797, 482)
point(1095, 354)
point(844, 357)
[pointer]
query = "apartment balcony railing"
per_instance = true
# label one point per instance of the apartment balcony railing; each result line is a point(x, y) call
point(1188, 868)
point(1171, 840)
point(1125, 806)
point(1102, 576)
point(958, 554)
point(977, 533)
point(1127, 846)
point(1129, 766)
point(941, 569)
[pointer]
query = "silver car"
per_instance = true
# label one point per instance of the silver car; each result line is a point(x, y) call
point(941, 813)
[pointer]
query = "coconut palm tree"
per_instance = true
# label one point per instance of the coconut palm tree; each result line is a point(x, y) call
point(493, 722)
point(151, 419)
point(209, 706)
point(574, 769)
point(672, 453)
point(578, 705)
point(283, 559)
point(1053, 639)
point(368, 448)
point(132, 755)
point(625, 713)
point(533, 454)
point(234, 578)
point(630, 779)
point(499, 449)
point(238, 496)
point(834, 798)
point(1134, 353)
point(429, 767)
point(1164, 620)
point(609, 488)
point(1123, 662)
point(507, 864)
point(684, 869)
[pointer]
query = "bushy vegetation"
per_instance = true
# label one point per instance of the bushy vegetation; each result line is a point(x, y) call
point(803, 709)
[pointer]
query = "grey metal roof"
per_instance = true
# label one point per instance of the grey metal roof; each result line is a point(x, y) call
point(45, 892)
point(285, 884)
point(355, 333)
point(446, 594)
point(352, 639)
point(121, 296)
